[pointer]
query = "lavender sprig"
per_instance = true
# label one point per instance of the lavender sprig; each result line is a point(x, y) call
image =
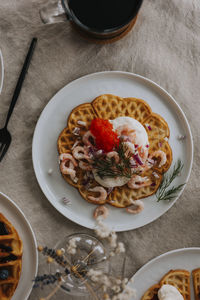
point(46, 279)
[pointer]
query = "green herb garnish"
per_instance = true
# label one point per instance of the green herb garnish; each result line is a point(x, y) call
point(163, 193)
point(108, 167)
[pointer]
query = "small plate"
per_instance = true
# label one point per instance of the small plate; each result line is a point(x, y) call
point(154, 270)
point(30, 255)
point(54, 118)
point(1, 71)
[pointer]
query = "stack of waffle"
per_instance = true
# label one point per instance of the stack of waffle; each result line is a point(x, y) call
point(10, 258)
point(110, 107)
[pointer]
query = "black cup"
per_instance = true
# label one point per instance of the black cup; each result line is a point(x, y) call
point(102, 19)
point(98, 19)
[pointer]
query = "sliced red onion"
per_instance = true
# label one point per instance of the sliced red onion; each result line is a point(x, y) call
point(89, 175)
point(76, 131)
point(82, 123)
point(88, 185)
point(136, 146)
point(160, 144)
point(133, 163)
point(75, 180)
point(75, 144)
point(153, 184)
point(151, 161)
point(148, 126)
point(66, 201)
point(138, 160)
point(181, 137)
point(85, 181)
point(155, 175)
point(147, 146)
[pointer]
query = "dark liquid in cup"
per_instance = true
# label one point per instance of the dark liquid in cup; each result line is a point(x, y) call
point(104, 14)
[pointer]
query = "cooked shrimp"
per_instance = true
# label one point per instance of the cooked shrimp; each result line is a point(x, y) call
point(136, 207)
point(78, 152)
point(100, 211)
point(66, 170)
point(67, 157)
point(125, 131)
point(136, 182)
point(143, 153)
point(102, 194)
point(85, 166)
point(87, 137)
point(113, 154)
point(67, 165)
point(160, 156)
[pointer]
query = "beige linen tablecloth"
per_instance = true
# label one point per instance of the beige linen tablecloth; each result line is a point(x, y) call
point(164, 46)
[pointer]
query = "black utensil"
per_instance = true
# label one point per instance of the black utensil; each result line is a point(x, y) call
point(5, 136)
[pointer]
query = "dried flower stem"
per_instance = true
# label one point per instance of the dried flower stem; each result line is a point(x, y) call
point(53, 292)
point(87, 286)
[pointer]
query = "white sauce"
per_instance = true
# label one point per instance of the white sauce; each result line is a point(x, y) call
point(169, 292)
point(109, 181)
point(140, 132)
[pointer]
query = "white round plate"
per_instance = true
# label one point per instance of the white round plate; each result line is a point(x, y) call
point(154, 270)
point(54, 118)
point(30, 256)
point(1, 71)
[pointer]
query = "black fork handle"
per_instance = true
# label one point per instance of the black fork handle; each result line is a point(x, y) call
point(21, 79)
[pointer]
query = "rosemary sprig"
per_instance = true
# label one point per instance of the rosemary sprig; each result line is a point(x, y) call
point(108, 167)
point(163, 193)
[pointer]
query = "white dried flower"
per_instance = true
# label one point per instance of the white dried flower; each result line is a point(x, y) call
point(71, 248)
point(112, 253)
point(124, 283)
point(102, 230)
point(100, 277)
point(113, 239)
point(116, 288)
point(120, 248)
point(126, 294)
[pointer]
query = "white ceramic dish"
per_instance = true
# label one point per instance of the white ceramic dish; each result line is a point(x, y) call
point(53, 119)
point(30, 256)
point(1, 71)
point(154, 270)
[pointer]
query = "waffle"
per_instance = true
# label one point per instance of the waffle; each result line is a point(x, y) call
point(196, 282)
point(109, 106)
point(10, 258)
point(151, 293)
point(178, 278)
